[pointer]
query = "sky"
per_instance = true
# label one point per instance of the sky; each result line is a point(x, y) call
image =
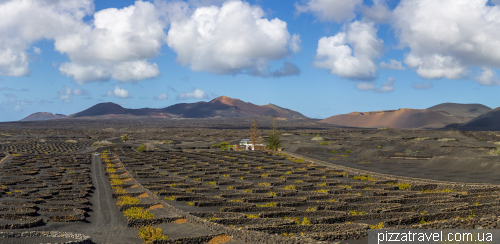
point(318, 57)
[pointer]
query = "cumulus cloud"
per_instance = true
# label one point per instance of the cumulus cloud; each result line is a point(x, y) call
point(422, 86)
point(10, 94)
point(393, 64)
point(351, 54)
point(387, 86)
point(67, 94)
point(487, 77)
point(330, 10)
point(117, 45)
point(162, 96)
point(370, 86)
point(119, 93)
point(47, 19)
point(448, 37)
point(231, 39)
point(379, 12)
point(195, 93)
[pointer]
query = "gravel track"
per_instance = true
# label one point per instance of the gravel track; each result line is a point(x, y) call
point(108, 225)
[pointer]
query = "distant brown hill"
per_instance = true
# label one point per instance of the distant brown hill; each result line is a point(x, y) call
point(43, 116)
point(487, 121)
point(401, 118)
point(220, 107)
point(464, 110)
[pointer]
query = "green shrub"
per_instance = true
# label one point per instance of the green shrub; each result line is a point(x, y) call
point(149, 234)
point(305, 221)
point(141, 148)
point(138, 213)
point(347, 151)
point(325, 143)
point(269, 204)
point(403, 186)
point(127, 200)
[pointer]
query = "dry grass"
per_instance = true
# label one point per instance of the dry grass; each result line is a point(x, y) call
point(156, 206)
point(181, 221)
point(220, 239)
point(134, 186)
point(129, 179)
point(143, 195)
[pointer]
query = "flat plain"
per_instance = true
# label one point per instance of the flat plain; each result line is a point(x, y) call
point(327, 185)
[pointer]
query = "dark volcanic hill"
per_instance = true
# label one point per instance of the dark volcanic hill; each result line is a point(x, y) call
point(401, 119)
point(487, 121)
point(220, 107)
point(464, 110)
point(43, 116)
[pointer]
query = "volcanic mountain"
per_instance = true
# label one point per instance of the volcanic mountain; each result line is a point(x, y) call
point(220, 107)
point(43, 116)
point(464, 110)
point(487, 121)
point(401, 119)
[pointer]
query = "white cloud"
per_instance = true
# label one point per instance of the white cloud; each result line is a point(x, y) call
point(84, 74)
point(10, 94)
point(386, 86)
point(119, 93)
point(117, 45)
point(295, 43)
point(365, 86)
point(135, 71)
point(66, 95)
point(422, 86)
point(24, 22)
point(37, 50)
point(393, 64)
point(17, 108)
point(162, 96)
point(231, 39)
point(14, 62)
point(330, 10)
point(370, 86)
point(448, 37)
point(487, 77)
point(196, 94)
point(351, 54)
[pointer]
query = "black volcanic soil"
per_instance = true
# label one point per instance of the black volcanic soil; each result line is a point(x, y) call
point(387, 175)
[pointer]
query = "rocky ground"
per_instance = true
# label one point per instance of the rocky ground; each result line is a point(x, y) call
point(327, 185)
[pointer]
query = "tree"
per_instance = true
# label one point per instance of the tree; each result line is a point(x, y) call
point(124, 137)
point(254, 133)
point(273, 140)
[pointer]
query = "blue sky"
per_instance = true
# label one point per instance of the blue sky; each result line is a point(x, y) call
point(318, 57)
